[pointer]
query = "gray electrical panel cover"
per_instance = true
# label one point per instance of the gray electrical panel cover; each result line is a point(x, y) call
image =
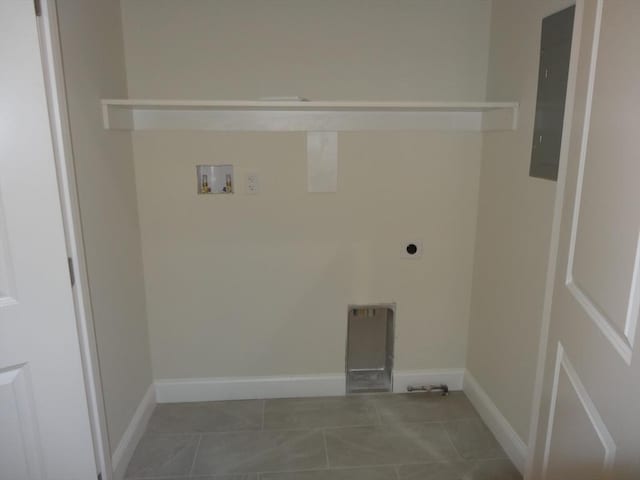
point(555, 53)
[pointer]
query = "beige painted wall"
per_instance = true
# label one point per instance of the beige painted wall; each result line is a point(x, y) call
point(323, 50)
point(259, 285)
point(92, 49)
point(514, 223)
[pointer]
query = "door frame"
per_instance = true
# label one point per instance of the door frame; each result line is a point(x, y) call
point(555, 236)
point(49, 37)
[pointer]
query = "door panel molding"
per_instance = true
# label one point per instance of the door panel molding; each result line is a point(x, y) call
point(564, 364)
point(622, 342)
point(17, 417)
point(633, 307)
point(7, 282)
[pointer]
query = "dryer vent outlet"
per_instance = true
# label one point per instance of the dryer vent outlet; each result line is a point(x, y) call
point(370, 343)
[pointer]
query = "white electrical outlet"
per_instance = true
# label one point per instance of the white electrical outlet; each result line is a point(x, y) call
point(252, 183)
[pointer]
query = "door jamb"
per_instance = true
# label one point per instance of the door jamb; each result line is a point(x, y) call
point(49, 35)
point(555, 238)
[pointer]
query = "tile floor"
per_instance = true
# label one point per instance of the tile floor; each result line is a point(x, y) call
point(414, 436)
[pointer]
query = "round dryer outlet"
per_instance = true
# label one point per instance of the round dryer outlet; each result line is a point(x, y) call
point(411, 249)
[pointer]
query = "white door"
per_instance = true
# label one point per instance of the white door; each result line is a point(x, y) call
point(44, 421)
point(589, 424)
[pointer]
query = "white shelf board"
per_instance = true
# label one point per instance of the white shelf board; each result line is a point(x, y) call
point(241, 115)
point(305, 105)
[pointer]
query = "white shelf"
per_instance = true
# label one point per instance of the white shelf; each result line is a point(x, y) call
point(305, 105)
point(231, 115)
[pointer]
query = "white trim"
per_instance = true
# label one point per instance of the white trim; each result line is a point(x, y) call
point(508, 438)
point(555, 235)
point(240, 115)
point(305, 105)
point(7, 275)
point(562, 362)
point(297, 121)
point(633, 308)
point(61, 139)
point(239, 388)
point(601, 320)
point(132, 435)
point(16, 380)
point(321, 385)
point(621, 342)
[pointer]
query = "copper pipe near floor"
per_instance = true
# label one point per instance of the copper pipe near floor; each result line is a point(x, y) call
point(444, 388)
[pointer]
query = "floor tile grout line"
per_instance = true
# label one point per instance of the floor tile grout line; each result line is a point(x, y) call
point(299, 429)
point(259, 474)
point(326, 448)
point(373, 402)
point(444, 427)
point(378, 414)
point(183, 434)
point(330, 469)
point(363, 425)
point(491, 459)
point(195, 455)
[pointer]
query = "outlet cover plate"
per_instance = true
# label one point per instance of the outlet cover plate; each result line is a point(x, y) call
point(252, 183)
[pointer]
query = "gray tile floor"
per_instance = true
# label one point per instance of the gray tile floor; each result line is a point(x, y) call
point(365, 437)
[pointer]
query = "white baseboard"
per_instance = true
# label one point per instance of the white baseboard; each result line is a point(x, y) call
point(240, 388)
point(510, 441)
point(322, 385)
point(127, 445)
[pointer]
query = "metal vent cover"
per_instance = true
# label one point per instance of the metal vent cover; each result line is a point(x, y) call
point(370, 344)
